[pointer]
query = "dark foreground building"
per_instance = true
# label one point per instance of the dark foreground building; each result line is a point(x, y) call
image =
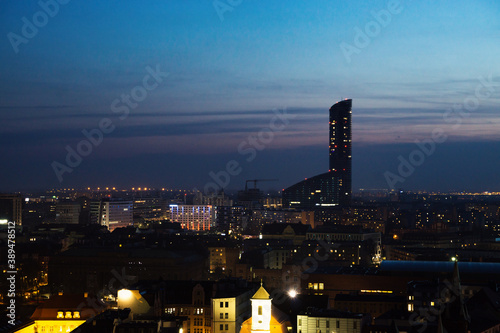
point(333, 188)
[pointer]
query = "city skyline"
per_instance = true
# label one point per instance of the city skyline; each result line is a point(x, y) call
point(211, 76)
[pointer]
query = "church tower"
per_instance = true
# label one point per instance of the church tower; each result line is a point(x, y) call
point(261, 311)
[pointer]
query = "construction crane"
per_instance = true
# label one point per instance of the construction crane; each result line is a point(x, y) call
point(258, 180)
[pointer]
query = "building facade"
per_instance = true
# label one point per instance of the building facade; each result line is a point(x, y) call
point(112, 213)
point(11, 208)
point(229, 308)
point(68, 212)
point(192, 217)
point(316, 321)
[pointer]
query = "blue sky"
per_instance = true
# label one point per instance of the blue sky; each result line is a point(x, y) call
point(226, 76)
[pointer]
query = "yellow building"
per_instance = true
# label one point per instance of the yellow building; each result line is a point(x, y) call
point(62, 313)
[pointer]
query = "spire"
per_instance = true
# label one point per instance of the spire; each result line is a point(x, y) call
point(455, 311)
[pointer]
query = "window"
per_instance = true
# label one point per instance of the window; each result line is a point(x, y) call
point(227, 304)
point(321, 286)
point(76, 314)
point(227, 327)
point(317, 322)
point(338, 323)
point(227, 316)
point(355, 325)
point(327, 324)
point(259, 311)
point(60, 314)
point(221, 304)
point(221, 316)
point(221, 327)
point(300, 322)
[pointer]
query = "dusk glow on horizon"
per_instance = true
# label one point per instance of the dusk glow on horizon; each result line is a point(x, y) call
point(164, 93)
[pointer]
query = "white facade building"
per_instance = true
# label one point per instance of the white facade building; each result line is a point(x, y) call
point(329, 321)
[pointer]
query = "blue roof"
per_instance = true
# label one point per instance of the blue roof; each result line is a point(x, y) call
point(440, 266)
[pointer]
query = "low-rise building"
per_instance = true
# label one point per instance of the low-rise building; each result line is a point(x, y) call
point(321, 320)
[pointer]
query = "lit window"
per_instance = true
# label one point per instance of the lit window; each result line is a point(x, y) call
point(259, 311)
point(76, 314)
point(321, 286)
point(60, 314)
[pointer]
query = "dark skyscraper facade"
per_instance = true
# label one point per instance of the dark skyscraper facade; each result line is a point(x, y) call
point(341, 147)
point(333, 188)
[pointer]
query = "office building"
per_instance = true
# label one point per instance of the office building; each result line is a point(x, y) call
point(68, 212)
point(11, 208)
point(333, 188)
point(192, 217)
point(113, 213)
point(340, 148)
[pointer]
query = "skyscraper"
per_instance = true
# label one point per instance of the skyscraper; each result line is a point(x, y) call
point(341, 147)
point(332, 188)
